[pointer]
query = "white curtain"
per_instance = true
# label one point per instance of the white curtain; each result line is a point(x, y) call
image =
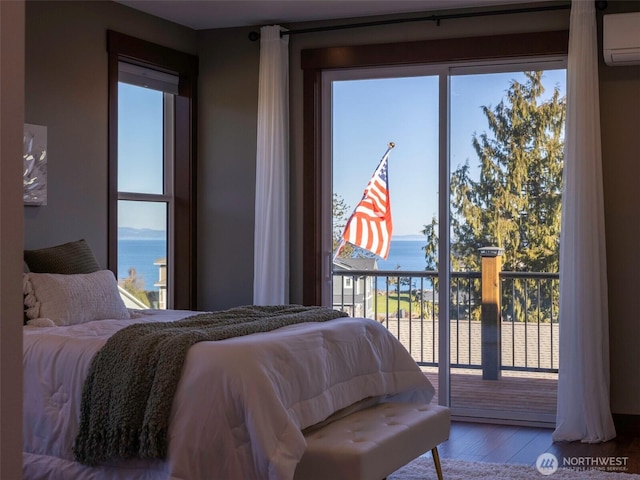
point(271, 246)
point(583, 386)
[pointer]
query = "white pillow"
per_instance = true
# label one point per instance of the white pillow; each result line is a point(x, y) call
point(72, 299)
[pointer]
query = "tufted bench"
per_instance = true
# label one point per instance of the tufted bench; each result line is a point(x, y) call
point(373, 443)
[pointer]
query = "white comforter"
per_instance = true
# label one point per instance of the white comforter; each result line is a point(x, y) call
point(240, 405)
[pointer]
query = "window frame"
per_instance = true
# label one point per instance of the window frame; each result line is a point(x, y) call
point(181, 227)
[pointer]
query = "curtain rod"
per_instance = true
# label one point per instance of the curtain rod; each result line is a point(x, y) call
point(600, 5)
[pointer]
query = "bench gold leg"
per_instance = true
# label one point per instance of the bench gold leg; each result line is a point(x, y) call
point(436, 461)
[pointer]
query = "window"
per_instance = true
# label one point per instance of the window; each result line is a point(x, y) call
point(151, 172)
point(145, 186)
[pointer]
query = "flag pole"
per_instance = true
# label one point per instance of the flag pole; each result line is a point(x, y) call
point(390, 146)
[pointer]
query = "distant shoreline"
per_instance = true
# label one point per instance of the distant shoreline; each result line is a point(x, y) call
point(408, 238)
point(129, 233)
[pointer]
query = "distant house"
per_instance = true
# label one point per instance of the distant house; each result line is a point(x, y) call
point(354, 293)
point(162, 282)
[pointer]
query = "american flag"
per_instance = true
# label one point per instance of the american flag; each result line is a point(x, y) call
point(370, 224)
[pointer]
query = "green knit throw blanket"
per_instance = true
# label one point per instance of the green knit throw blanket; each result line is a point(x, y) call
point(128, 393)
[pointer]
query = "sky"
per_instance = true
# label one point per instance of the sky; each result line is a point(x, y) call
point(367, 115)
point(140, 155)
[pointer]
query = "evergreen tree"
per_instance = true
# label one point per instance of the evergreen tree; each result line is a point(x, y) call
point(431, 248)
point(515, 203)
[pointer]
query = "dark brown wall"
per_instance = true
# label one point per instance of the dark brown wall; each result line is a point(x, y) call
point(227, 126)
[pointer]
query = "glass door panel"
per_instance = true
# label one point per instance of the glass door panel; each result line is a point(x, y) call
point(507, 132)
point(368, 114)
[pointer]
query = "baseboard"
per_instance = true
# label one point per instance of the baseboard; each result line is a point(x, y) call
point(527, 419)
point(520, 422)
point(626, 424)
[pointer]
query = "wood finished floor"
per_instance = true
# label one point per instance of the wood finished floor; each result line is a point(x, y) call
point(521, 445)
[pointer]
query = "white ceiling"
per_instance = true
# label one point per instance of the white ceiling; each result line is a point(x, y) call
point(205, 14)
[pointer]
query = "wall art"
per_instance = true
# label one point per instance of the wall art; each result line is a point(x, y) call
point(35, 164)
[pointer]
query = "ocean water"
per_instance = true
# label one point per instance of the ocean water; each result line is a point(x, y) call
point(404, 255)
point(140, 254)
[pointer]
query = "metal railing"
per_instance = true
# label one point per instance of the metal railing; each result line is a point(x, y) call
point(407, 302)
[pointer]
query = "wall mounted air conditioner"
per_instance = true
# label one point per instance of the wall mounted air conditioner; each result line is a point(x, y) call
point(621, 39)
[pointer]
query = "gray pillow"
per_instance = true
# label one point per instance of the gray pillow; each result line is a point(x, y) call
point(72, 299)
point(68, 258)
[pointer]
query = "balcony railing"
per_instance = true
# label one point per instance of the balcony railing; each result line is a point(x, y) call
point(407, 303)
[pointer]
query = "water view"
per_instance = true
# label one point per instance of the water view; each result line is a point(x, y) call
point(406, 255)
point(141, 254)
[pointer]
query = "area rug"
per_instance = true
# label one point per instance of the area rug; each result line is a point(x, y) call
point(422, 469)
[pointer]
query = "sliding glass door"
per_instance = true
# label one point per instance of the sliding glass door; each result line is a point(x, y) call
point(469, 284)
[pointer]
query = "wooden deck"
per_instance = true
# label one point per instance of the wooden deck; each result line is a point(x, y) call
point(523, 397)
point(518, 393)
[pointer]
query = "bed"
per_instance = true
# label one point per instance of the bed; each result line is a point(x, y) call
point(241, 404)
